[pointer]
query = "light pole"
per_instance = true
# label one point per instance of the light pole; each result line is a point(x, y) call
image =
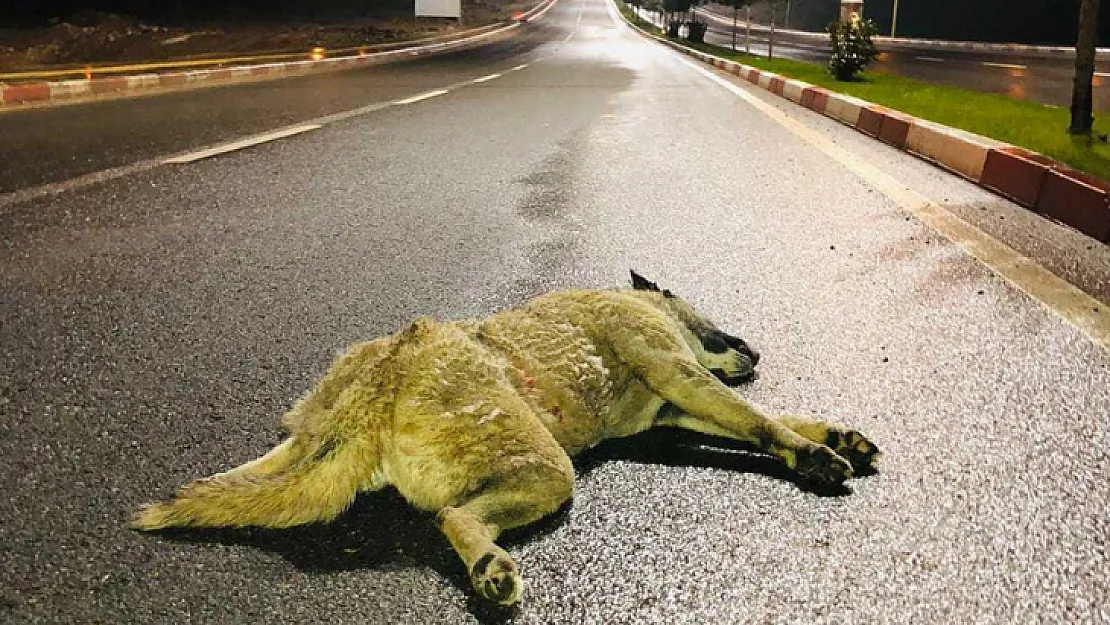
point(894, 20)
point(771, 39)
point(735, 15)
point(786, 20)
point(748, 32)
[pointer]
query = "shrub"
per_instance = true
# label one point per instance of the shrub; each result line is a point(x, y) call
point(673, 27)
point(852, 48)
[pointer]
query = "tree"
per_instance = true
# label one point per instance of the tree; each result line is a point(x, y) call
point(1081, 118)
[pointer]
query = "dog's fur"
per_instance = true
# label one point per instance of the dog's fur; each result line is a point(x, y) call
point(476, 420)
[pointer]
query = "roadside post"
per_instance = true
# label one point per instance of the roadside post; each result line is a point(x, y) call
point(440, 8)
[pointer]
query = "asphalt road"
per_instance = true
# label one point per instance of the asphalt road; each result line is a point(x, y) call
point(154, 326)
point(1046, 80)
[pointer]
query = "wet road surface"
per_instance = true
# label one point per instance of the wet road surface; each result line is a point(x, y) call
point(154, 327)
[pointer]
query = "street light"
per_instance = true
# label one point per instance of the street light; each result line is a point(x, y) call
point(894, 20)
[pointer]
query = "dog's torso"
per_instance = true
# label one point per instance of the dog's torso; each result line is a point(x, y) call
point(558, 360)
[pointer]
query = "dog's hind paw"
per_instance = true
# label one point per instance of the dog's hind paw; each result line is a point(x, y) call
point(822, 467)
point(495, 577)
point(861, 452)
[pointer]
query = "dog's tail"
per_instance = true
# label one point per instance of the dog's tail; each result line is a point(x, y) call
point(294, 484)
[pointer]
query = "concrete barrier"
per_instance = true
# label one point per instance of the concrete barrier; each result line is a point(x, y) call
point(1078, 200)
point(955, 150)
point(793, 89)
point(844, 108)
point(1015, 176)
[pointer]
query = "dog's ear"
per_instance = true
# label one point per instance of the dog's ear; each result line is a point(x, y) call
point(641, 283)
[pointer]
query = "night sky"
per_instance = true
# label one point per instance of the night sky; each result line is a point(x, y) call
point(1026, 21)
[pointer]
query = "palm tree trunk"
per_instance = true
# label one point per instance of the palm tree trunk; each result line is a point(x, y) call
point(1081, 98)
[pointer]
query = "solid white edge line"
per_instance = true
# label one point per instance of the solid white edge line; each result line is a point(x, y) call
point(422, 96)
point(240, 144)
point(485, 78)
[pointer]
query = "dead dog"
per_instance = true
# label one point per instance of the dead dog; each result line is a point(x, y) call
point(476, 420)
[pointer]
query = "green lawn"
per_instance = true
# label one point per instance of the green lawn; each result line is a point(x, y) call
point(1032, 125)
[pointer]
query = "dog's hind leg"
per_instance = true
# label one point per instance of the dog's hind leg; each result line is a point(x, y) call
point(510, 501)
point(672, 371)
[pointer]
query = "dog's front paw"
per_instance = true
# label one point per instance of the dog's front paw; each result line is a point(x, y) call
point(495, 577)
point(861, 452)
point(821, 466)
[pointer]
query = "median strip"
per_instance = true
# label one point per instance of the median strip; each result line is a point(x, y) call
point(240, 144)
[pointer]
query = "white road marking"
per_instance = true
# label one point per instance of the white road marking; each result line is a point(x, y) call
point(519, 67)
point(1061, 297)
point(931, 59)
point(1102, 74)
point(1005, 65)
point(240, 144)
point(422, 96)
point(486, 78)
point(540, 14)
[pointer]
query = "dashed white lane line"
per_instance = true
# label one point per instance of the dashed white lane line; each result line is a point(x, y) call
point(247, 142)
point(1102, 74)
point(1005, 65)
point(1066, 300)
point(931, 59)
point(518, 67)
point(422, 96)
point(486, 78)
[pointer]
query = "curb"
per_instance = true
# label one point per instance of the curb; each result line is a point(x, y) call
point(1046, 186)
point(30, 93)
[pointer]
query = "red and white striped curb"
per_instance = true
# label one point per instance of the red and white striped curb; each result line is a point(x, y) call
point(1046, 186)
point(73, 90)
